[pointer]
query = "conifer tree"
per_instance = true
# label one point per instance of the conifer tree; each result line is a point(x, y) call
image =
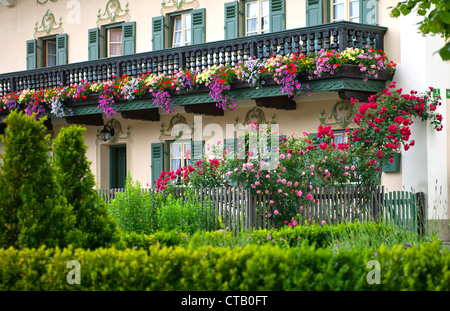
point(77, 182)
point(32, 210)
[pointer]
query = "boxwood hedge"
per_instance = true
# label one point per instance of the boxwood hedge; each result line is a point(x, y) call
point(252, 267)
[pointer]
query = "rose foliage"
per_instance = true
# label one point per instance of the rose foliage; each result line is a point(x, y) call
point(301, 164)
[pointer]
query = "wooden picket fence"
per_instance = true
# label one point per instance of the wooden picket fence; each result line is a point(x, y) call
point(236, 209)
point(406, 210)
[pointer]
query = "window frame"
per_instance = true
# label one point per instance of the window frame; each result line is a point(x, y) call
point(183, 30)
point(171, 22)
point(104, 36)
point(340, 133)
point(244, 23)
point(42, 44)
point(330, 15)
point(169, 152)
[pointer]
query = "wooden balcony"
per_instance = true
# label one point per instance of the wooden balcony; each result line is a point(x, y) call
point(335, 36)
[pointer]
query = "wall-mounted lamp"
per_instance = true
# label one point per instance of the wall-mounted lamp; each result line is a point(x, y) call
point(106, 133)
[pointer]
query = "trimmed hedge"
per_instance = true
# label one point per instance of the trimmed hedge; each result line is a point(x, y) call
point(266, 267)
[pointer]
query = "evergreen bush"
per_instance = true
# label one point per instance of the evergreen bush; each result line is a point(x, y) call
point(77, 182)
point(32, 210)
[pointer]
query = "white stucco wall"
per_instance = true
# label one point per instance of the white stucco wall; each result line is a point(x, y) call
point(425, 166)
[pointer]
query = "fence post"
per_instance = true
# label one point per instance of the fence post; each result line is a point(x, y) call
point(421, 216)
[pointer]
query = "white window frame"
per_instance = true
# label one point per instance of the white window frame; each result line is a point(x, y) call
point(184, 161)
point(185, 40)
point(259, 18)
point(109, 42)
point(346, 17)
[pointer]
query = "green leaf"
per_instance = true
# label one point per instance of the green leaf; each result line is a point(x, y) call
point(405, 10)
point(395, 12)
point(425, 5)
point(445, 52)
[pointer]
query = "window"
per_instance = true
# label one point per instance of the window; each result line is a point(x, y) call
point(175, 156)
point(180, 154)
point(339, 137)
point(357, 11)
point(178, 29)
point(181, 27)
point(257, 17)
point(345, 10)
point(114, 42)
point(49, 52)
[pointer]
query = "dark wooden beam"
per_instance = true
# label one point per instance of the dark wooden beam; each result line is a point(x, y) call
point(48, 124)
point(208, 109)
point(2, 128)
point(359, 95)
point(150, 114)
point(277, 102)
point(88, 119)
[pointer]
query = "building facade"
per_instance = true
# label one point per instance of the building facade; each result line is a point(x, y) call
point(61, 42)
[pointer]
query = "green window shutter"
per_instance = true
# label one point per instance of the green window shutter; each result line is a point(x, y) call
point(277, 15)
point(158, 33)
point(129, 38)
point(31, 54)
point(314, 12)
point(94, 44)
point(231, 20)
point(198, 147)
point(157, 165)
point(198, 26)
point(231, 144)
point(314, 139)
point(368, 12)
point(394, 166)
point(61, 49)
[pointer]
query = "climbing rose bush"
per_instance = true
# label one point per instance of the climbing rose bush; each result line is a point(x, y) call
point(301, 164)
point(384, 126)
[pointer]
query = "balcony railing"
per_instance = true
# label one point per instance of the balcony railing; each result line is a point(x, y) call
point(333, 36)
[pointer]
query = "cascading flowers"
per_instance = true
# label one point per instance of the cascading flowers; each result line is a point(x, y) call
point(288, 71)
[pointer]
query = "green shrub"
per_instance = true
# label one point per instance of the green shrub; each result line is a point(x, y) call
point(268, 267)
point(135, 210)
point(341, 236)
point(143, 241)
point(148, 212)
point(187, 214)
point(77, 182)
point(32, 210)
